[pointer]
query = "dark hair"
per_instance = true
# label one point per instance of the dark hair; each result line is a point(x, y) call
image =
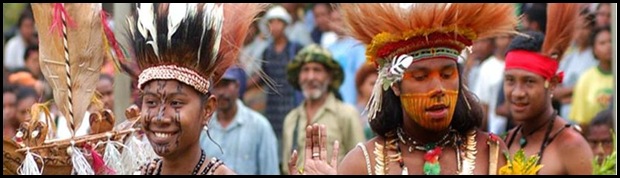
point(593, 35)
point(532, 42)
point(603, 118)
point(29, 49)
point(25, 92)
point(538, 13)
point(25, 15)
point(464, 119)
point(595, 32)
point(8, 89)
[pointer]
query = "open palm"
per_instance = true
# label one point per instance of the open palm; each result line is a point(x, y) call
point(315, 162)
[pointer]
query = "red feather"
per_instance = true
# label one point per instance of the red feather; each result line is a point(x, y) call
point(112, 40)
point(99, 165)
point(59, 11)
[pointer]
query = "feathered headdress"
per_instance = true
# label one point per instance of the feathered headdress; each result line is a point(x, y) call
point(74, 39)
point(400, 34)
point(190, 42)
point(557, 38)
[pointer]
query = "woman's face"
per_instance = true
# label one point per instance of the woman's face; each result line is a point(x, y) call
point(173, 115)
point(602, 46)
point(367, 85)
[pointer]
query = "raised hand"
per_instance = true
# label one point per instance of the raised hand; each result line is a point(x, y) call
point(315, 162)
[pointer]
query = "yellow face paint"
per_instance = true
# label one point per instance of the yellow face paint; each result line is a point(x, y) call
point(417, 105)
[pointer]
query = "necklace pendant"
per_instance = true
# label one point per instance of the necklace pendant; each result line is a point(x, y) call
point(410, 149)
point(522, 142)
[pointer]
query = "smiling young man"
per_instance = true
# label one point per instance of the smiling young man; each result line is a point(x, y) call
point(529, 80)
point(180, 57)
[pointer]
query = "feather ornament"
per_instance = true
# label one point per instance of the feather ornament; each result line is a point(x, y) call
point(71, 62)
point(561, 17)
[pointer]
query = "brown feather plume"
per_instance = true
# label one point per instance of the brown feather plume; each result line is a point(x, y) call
point(86, 56)
point(238, 18)
point(561, 19)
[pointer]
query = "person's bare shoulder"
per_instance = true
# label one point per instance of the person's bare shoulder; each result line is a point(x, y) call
point(224, 170)
point(354, 163)
point(571, 142)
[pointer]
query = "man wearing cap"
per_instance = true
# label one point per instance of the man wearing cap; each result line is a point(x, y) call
point(245, 136)
point(318, 76)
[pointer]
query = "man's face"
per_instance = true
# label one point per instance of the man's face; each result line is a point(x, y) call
point(603, 16)
point(23, 109)
point(276, 27)
point(322, 16)
point(173, 116)
point(27, 30)
point(226, 91)
point(582, 30)
point(106, 89)
point(32, 63)
point(8, 107)
point(502, 42)
point(482, 49)
point(599, 137)
point(314, 80)
point(526, 94)
point(428, 92)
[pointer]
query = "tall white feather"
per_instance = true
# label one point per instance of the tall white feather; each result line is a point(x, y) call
point(192, 9)
point(146, 24)
point(176, 13)
point(213, 19)
point(207, 8)
point(217, 23)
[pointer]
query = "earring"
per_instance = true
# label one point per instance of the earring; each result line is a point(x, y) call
point(206, 128)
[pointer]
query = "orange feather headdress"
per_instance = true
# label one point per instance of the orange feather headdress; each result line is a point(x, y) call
point(189, 42)
point(400, 34)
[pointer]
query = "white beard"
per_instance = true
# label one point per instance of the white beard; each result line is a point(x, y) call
point(314, 94)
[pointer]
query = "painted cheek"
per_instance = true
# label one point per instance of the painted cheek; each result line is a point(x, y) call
point(415, 105)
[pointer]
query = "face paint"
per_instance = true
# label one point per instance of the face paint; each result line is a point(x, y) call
point(432, 110)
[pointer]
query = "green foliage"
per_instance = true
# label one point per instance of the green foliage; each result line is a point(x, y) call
point(607, 167)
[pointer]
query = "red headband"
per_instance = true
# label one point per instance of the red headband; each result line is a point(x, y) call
point(533, 62)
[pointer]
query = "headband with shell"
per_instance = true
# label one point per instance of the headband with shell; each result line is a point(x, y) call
point(398, 35)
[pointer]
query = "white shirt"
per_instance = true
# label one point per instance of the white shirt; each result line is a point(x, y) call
point(297, 32)
point(14, 52)
point(487, 88)
point(328, 38)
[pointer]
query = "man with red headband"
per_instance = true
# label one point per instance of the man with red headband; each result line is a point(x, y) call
point(529, 80)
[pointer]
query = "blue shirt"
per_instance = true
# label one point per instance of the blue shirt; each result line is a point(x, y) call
point(351, 55)
point(248, 143)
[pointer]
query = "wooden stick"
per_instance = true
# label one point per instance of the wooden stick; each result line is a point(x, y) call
point(54, 143)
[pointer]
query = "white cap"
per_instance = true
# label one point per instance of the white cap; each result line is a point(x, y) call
point(278, 12)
